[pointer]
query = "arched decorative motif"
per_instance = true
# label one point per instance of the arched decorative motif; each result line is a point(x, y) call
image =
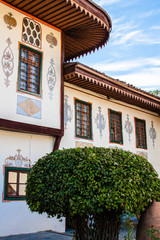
point(18, 160)
point(31, 32)
point(142, 154)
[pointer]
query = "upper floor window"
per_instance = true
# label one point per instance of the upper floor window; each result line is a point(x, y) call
point(83, 119)
point(31, 32)
point(30, 64)
point(15, 183)
point(140, 133)
point(115, 119)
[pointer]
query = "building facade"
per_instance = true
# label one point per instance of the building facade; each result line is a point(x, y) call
point(48, 104)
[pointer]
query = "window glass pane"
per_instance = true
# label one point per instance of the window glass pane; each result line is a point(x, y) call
point(12, 189)
point(12, 177)
point(83, 120)
point(24, 54)
point(22, 188)
point(141, 134)
point(23, 177)
point(115, 127)
point(29, 75)
point(15, 183)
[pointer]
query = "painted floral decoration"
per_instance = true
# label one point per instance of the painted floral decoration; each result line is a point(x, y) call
point(51, 78)
point(8, 62)
point(68, 113)
point(152, 133)
point(100, 121)
point(10, 20)
point(128, 127)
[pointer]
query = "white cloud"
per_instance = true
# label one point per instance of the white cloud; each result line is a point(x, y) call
point(155, 27)
point(130, 34)
point(146, 78)
point(142, 72)
point(127, 65)
point(149, 13)
point(106, 2)
point(126, 38)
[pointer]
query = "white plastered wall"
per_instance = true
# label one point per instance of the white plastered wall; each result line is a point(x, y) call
point(15, 216)
point(69, 140)
point(50, 108)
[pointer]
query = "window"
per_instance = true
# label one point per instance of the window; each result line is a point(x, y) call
point(115, 127)
point(83, 119)
point(140, 133)
point(15, 183)
point(30, 63)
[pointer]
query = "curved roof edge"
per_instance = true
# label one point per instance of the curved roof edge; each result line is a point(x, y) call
point(86, 26)
point(90, 79)
point(96, 12)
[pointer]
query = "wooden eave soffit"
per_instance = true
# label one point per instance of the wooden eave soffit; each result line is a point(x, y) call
point(85, 25)
point(110, 88)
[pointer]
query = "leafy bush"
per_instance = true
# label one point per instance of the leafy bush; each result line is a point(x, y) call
point(90, 182)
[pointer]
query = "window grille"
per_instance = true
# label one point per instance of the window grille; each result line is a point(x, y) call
point(83, 119)
point(141, 133)
point(30, 69)
point(15, 183)
point(115, 127)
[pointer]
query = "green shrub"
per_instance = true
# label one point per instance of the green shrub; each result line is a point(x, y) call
point(90, 182)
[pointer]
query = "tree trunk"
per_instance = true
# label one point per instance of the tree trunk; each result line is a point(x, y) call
point(97, 227)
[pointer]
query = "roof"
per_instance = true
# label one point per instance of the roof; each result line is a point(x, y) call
point(90, 79)
point(86, 26)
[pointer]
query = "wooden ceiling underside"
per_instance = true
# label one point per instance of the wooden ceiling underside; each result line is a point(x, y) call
point(86, 26)
point(76, 74)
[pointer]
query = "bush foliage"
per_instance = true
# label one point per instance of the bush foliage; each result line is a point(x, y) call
point(91, 181)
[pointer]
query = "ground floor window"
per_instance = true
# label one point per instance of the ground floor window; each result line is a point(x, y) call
point(15, 183)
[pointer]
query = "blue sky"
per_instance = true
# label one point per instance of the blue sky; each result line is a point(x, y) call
point(133, 51)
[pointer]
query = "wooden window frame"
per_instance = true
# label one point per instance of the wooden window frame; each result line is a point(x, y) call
point(39, 65)
point(90, 119)
point(138, 133)
point(6, 172)
point(110, 124)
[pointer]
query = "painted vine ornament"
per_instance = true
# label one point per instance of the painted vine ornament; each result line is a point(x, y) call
point(100, 121)
point(95, 186)
point(51, 78)
point(128, 127)
point(152, 133)
point(8, 62)
point(68, 113)
point(10, 20)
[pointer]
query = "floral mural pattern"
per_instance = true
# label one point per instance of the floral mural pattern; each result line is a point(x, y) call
point(128, 127)
point(18, 160)
point(152, 133)
point(51, 78)
point(10, 20)
point(100, 121)
point(68, 113)
point(8, 62)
